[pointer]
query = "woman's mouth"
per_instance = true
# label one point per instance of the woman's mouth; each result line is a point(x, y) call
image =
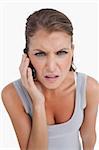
point(51, 78)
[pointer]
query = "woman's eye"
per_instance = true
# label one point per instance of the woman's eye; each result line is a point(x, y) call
point(62, 53)
point(40, 54)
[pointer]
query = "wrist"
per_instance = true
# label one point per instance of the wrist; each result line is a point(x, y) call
point(38, 106)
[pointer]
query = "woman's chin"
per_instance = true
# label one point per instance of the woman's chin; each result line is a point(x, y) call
point(51, 87)
point(51, 83)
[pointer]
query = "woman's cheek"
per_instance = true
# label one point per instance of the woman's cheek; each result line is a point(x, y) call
point(39, 68)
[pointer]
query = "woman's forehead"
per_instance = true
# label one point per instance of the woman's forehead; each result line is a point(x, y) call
point(50, 35)
point(55, 39)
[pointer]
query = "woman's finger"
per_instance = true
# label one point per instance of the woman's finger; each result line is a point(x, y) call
point(30, 77)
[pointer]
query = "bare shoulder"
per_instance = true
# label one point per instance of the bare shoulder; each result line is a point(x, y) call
point(20, 119)
point(92, 90)
point(10, 97)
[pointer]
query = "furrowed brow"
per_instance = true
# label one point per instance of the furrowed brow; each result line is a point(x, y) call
point(65, 49)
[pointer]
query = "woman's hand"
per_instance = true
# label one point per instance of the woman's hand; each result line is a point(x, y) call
point(34, 89)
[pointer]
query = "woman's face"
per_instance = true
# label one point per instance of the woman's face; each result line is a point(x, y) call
point(51, 55)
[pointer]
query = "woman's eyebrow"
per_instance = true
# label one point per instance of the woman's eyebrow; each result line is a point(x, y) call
point(65, 49)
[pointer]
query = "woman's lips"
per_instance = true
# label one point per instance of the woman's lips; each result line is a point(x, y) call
point(51, 78)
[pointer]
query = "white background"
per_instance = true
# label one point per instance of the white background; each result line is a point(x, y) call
point(84, 17)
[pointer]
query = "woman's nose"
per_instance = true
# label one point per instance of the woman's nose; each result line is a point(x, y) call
point(51, 64)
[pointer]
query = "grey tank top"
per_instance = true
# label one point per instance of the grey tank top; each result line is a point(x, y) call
point(64, 136)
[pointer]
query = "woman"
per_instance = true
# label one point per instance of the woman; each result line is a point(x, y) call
point(51, 103)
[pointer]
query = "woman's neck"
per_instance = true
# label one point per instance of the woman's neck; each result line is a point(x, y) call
point(65, 86)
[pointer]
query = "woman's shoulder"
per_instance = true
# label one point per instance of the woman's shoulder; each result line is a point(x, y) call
point(92, 89)
point(9, 95)
point(91, 81)
point(9, 88)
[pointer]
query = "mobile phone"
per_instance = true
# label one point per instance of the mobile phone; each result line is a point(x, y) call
point(30, 65)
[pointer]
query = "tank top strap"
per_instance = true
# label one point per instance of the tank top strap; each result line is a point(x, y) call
point(24, 96)
point(81, 88)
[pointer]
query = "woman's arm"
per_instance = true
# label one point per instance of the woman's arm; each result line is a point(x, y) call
point(38, 139)
point(87, 130)
point(31, 135)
